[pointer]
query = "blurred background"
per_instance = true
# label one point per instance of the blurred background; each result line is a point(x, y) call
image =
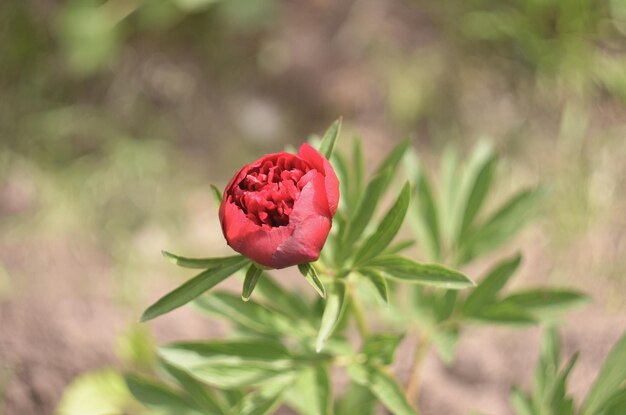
point(115, 116)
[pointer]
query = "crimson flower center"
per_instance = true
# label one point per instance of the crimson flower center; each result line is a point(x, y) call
point(268, 192)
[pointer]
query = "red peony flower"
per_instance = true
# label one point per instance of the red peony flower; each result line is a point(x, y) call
point(277, 211)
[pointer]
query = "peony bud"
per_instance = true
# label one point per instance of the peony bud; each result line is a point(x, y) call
point(278, 210)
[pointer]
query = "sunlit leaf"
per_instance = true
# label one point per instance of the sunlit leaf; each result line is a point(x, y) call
point(380, 348)
point(335, 305)
point(252, 315)
point(546, 301)
point(407, 270)
point(379, 282)
point(230, 364)
point(192, 289)
point(252, 276)
point(102, 392)
point(611, 377)
point(267, 398)
point(384, 387)
point(491, 285)
point(203, 398)
point(310, 274)
point(311, 393)
point(387, 229)
point(504, 313)
point(201, 263)
point(330, 137)
point(156, 395)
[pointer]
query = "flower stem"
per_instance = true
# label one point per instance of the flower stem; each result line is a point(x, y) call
point(412, 387)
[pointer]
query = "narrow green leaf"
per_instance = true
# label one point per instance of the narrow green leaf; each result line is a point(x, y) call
point(203, 398)
point(356, 400)
point(201, 263)
point(328, 142)
point(611, 377)
point(365, 209)
point(384, 387)
point(428, 216)
point(156, 395)
point(251, 315)
point(450, 183)
point(380, 348)
point(387, 229)
point(379, 282)
point(504, 313)
point(616, 404)
point(491, 285)
point(340, 164)
point(398, 247)
point(217, 195)
point(547, 369)
point(445, 303)
point(407, 270)
point(372, 194)
point(252, 276)
point(311, 393)
point(521, 403)
point(230, 364)
point(505, 223)
point(335, 305)
point(358, 162)
point(191, 289)
point(546, 301)
point(310, 274)
point(266, 399)
point(482, 175)
point(279, 299)
point(395, 156)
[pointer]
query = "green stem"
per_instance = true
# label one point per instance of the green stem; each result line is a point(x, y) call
point(412, 387)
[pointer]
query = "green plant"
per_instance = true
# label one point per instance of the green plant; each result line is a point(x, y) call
point(284, 344)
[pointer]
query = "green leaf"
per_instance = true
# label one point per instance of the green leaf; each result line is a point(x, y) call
point(158, 396)
point(358, 162)
point(192, 289)
point(365, 209)
point(393, 159)
point(616, 404)
point(521, 403)
point(335, 305)
point(202, 397)
point(428, 222)
point(201, 263)
point(279, 299)
point(311, 393)
point(356, 400)
point(328, 142)
point(398, 247)
point(480, 175)
point(266, 399)
point(444, 306)
point(546, 301)
point(611, 377)
point(379, 282)
point(449, 191)
point(383, 386)
point(380, 348)
point(310, 274)
point(372, 195)
point(387, 229)
point(230, 364)
point(251, 314)
point(504, 313)
point(505, 223)
point(252, 276)
point(407, 270)
point(217, 195)
point(491, 285)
